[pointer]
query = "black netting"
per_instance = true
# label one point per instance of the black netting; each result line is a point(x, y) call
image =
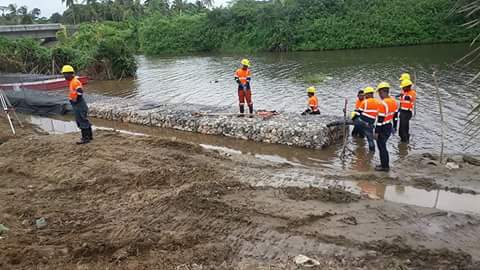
point(39, 102)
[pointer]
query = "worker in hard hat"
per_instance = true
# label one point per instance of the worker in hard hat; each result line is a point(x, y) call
point(312, 102)
point(243, 79)
point(80, 109)
point(356, 132)
point(408, 97)
point(387, 114)
point(364, 117)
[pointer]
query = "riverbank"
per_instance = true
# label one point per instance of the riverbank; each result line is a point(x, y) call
point(132, 202)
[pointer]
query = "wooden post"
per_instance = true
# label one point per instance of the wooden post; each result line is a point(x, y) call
point(442, 125)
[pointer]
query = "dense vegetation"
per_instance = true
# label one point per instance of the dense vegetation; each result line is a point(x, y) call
point(160, 26)
point(104, 51)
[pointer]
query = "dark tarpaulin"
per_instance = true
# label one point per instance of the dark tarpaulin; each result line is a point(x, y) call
point(39, 102)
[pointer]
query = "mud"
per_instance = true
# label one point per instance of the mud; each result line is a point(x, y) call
point(132, 202)
point(330, 194)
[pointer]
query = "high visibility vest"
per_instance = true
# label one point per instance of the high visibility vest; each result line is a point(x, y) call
point(313, 103)
point(369, 108)
point(74, 85)
point(387, 110)
point(358, 103)
point(408, 105)
point(243, 75)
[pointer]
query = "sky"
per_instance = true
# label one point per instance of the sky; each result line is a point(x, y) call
point(48, 7)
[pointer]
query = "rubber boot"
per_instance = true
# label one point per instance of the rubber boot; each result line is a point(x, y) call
point(90, 134)
point(250, 109)
point(84, 139)
point(242, 110)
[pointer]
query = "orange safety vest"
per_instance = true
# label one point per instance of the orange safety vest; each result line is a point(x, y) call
point(313, 103)
point(243, 75)
point(387, 109)
point(358, 103)
point(74, 85)
point(369, 107)
point(408, 105)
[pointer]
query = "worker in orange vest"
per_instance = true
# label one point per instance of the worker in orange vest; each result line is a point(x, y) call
point(80, 109)
point(408, 97)
point(356, 132)
point(366, 114)
point(387, 114)
point(243, 79)
point(312, 102)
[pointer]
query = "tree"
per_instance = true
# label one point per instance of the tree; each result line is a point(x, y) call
point(35, 13)
point(56, 18)
point(70, 4)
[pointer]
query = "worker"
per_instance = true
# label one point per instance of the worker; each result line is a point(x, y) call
point(356, 132)
point(312, 102)
point(408, 97)
point(387, 114)
point(243, 78)
point(80, 109)
point(405, 76)
point(364, 117)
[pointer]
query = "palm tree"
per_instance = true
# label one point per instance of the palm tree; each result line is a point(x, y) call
point(12, 10)
point(208, 3)
point(70, 4)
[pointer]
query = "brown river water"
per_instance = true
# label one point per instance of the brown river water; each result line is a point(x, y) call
point(279, 83)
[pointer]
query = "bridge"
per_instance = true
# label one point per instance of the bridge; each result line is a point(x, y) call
point(35, 31)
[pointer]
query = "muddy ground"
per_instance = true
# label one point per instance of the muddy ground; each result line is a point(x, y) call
point(125, 202)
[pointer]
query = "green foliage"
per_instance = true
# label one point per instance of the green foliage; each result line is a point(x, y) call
point(103, 51)
point(23, 55)
point(182, 33)
point(300, 25)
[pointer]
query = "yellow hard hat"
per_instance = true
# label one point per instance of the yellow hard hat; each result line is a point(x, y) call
point(67, 69)
point(383, 85)
point(404, 76)
point(245, 62)
point(368, 90)
point(405, 83)
point(311, 90)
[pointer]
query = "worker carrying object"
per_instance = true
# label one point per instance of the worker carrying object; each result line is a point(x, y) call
point(243, 78)
point(80, 109)
point(312, 102)
point(408, 97)
point(365, 116)
point(387, 115)
point(356, 132)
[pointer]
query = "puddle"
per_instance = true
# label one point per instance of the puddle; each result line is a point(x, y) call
point(439, 199)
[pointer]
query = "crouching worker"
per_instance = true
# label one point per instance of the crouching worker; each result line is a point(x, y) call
point(80, 109)
point(312, 102)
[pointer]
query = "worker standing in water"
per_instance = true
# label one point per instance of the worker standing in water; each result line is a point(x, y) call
point(243, 78)
point(364, 117)
point(80, 109)
point(356, 132)
point(407, 105)
point(312, 102)
point(387, 114)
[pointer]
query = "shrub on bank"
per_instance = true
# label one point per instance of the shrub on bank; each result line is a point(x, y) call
point(297, 25)
point(102, 51)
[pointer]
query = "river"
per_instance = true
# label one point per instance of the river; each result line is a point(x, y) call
point(279, 83)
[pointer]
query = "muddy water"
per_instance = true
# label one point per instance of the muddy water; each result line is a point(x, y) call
point(324, 160)
point(279, 82)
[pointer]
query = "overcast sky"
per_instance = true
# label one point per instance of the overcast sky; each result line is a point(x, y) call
point(51, 6)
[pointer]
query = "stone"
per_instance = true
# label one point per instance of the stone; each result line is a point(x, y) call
point(286, 128)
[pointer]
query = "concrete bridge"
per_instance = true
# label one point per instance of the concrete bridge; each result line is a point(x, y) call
point(35, 31)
